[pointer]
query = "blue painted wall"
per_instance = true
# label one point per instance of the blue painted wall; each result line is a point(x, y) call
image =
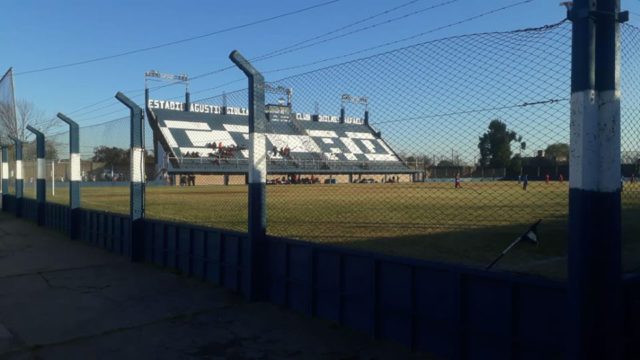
point(448, 310)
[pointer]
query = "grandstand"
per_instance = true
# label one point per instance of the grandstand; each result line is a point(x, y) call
point(216, 142)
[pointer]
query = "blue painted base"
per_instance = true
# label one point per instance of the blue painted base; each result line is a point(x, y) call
point(41, 199)
point(256, 246)
point(595, 275)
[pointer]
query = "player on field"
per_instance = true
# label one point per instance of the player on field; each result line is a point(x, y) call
point(525, 182)
point(457, 181)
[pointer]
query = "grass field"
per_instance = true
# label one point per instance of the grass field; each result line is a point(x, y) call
point(423, 220)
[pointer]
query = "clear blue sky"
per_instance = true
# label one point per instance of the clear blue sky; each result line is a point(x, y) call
point(37, 34)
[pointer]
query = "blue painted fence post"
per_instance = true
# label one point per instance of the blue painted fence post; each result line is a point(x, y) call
point(5, 177)
point(594, 260)
point(257, 221)
point(75, 177)
point(40, 174)
point(137, 176)
point(19, 176)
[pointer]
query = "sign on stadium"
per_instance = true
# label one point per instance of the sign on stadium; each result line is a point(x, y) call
point(180, 106)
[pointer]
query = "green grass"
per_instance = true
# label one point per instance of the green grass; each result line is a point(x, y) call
point(423, 220)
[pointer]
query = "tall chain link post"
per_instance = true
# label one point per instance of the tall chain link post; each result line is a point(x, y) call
point(594, 254)
point(19, 176)
point(5, 177)
point(40, 174)
point(74, 176)
point(257, 221)
point(137, 177)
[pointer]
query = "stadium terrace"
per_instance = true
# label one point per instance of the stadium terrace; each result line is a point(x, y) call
point(212, 141)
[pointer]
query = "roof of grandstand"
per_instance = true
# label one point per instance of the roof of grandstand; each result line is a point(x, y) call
point(196, 142)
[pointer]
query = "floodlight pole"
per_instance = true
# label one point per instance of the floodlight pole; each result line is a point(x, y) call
point(137, 178)
point(594, 247)
point(74, 176)
point(40, 174)
point(19, 175)
point(257, 176)
point(5, 177)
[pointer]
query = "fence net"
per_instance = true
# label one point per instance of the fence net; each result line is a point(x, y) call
point(189, 182)
point(104, 166)
point(630, 143)
point(463, 146)
point(445, 150)
point(8, 122)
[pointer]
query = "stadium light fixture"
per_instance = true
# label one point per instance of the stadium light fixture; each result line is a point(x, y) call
point(358, 100)
point(156, 75)
point(279, 90)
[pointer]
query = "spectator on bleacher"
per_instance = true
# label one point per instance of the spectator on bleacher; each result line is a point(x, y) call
point(287, 151)
point(275, 151)
point(183, 180)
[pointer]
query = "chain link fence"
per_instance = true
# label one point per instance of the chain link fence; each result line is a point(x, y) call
point(201, 175)
point(630, 143)
point(104, 166)
point(444, 150)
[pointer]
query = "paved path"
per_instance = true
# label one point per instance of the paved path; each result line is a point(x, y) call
point(61, 299)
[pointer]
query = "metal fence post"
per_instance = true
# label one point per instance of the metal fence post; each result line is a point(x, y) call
point(594, 259)
point(137, 182)
point(40, 174)
point(74, 178)
point(5, 177)
point(257, 220)
point(19, 176)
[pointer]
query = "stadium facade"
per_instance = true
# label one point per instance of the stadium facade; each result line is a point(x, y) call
point(211, 140)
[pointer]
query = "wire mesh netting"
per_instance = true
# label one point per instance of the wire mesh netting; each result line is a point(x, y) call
point(8, 123)
point(57, 169)
point(104, 166)
point(630, 143)
point(444, 150)
point(188, 188)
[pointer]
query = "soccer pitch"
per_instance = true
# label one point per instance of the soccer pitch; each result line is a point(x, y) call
point(432, 221)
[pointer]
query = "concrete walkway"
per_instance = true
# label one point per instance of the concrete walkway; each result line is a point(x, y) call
point(61, 299)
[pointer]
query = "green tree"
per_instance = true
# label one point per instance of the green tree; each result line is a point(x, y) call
point(111, 156)
point(515, 165)
point(29, 150)
point(557, 151)
point(495, 145)
point(446, 163)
